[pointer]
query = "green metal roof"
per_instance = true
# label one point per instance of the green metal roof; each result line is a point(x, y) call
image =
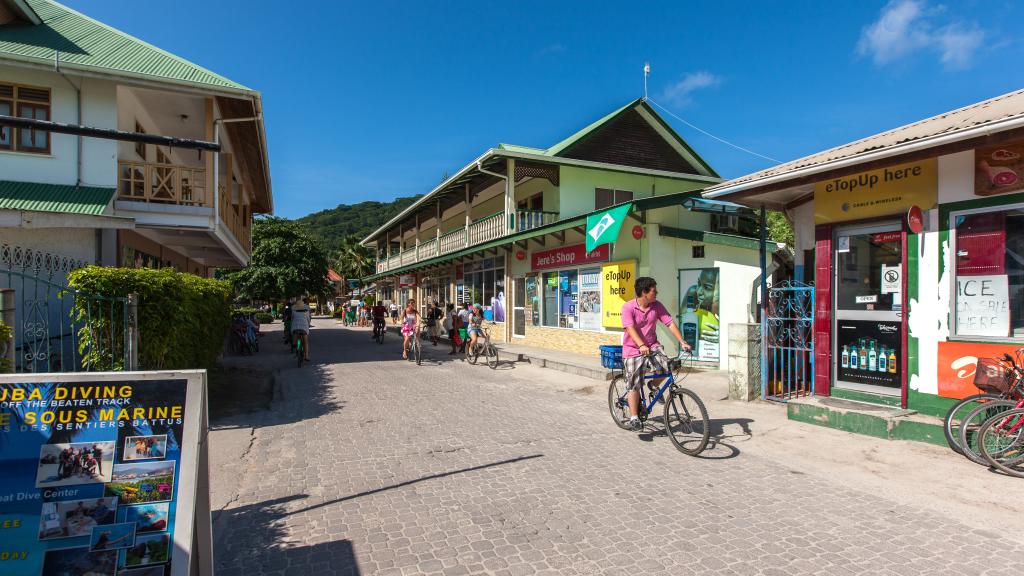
point(87, 44)
point(715, 238)
point(54, 198)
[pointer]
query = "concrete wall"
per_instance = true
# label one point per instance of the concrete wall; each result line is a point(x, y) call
point(74, 243)
point(99, 109)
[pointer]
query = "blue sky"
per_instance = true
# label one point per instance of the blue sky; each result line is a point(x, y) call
point(374, 100)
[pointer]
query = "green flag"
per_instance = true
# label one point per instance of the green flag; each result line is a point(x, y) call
point(603, 227)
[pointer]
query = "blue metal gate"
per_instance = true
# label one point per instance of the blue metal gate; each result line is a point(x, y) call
point(55, 327)
point(789, 339)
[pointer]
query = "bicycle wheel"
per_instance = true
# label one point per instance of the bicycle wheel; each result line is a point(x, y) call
point(686, 421)
point(971, 426)
point(492, 355)
point(472, 353)
point(298, 352)
point(416, 350)
point(951, 425)
point(1001, 441)
point(617, 402)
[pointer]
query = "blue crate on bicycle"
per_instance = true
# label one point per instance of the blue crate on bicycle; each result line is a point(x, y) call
point(611, 356)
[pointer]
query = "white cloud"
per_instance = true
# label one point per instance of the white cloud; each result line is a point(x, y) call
point(679, 93)
point(550, 49)
point(908, 26)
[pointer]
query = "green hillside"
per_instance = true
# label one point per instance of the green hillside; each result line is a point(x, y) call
point(359, 219)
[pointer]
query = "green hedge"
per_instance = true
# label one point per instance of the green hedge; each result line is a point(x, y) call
point(182, 318)
point(264, 318)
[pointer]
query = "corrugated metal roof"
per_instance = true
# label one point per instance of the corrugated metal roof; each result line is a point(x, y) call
point(1005, 107)
point(65, 199)
point(87, 43)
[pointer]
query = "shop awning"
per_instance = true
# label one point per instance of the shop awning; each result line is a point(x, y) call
point(715, 238)
point(718, 207)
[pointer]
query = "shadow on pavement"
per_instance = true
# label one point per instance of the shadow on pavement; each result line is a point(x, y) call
point(418, 480)
point(721, 443)
point(253, 539)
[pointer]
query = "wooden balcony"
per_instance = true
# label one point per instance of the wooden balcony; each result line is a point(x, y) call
point(162, 183)
point(480, 231)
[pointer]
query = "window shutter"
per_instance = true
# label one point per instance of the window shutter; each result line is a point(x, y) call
point(981, 244)
point(603, 198)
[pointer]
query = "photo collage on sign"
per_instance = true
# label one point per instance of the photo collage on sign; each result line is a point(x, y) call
point(126, 527)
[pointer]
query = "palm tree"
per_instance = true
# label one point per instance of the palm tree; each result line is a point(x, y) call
point(351, 259)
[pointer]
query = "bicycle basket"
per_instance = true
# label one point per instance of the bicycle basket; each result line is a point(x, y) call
point(611, 357)
point(993, 375)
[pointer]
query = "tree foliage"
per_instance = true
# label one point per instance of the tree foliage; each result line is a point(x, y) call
point(352, 260)
point(287, 261)
point(357, 220)
point(779, 228)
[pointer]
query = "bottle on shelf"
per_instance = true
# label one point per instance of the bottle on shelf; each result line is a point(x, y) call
point(854, 358)
point(846, 357)
point(872, 358)
point(883, 360)
point(892, 362)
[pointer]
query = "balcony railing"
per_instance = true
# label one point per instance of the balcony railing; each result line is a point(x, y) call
point(486, 229)
point(162, 183)
point(530, 219)
point(482, 230)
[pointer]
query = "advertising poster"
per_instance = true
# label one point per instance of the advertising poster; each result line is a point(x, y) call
point(590, 299)
point(869, 352)
point(616, 289)
point(958, 362)
point(699, 311)
point(999, 169)
point(877, 192)
point(93, 472)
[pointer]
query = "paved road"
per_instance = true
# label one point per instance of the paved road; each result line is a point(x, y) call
point(370, 465)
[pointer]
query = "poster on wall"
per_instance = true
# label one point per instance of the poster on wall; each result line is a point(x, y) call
point(999, 169)
point(958, 362)
point(590, 299)
point(616, 289)
point(983, 305)
point(99, 473)
point(869, 352)
point(699, 311)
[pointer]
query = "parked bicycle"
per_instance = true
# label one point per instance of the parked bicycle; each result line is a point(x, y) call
point(1001, 381)
point(683, 415)
point(483, 347)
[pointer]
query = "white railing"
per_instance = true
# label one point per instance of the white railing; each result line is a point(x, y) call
point(530, 219)
point(485, 229)
point(394, 262)
point(409, 256)
point(428, 249)
point(452, 241)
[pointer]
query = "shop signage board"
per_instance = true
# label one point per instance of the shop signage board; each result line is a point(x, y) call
point(870, 352)
point(563, 256)
point(983, 305)
point(699, 308)
point(958, 362)
point(115, 459)
point(616, 289)
point(406, 281)
point(590, 299)
point(881, 192)
point(999, 169)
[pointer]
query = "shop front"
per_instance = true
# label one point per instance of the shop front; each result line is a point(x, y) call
point(916, 260)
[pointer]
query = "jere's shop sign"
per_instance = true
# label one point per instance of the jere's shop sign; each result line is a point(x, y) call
point(569, 256)
point(881, 192)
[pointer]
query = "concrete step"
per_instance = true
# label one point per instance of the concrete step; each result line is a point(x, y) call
point(583, 367)
point(868, 419)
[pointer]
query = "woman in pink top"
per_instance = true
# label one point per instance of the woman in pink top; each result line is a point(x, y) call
point(640, 347)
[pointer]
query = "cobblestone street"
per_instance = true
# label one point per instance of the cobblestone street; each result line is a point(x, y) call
point(367, 464)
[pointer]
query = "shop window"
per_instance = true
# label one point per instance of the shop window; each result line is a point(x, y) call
point(989, 283)
point(551, 299)
point(605, 197)
point(532, 301)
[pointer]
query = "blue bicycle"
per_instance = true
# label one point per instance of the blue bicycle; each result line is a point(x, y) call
point(684, 416)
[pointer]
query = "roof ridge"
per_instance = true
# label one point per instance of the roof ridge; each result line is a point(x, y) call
point(72, 12)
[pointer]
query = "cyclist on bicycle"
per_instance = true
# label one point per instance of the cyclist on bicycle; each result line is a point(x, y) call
point(640, 346)
point(379, 315)
point(476, 322)
point(300, 324)
point(410, 320)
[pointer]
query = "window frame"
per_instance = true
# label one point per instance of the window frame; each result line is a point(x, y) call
point(615, 197)
point(954, 335)
point(11, 136)
point(16, 103)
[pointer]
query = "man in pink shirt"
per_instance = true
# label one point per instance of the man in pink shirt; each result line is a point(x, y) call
point(640, 347)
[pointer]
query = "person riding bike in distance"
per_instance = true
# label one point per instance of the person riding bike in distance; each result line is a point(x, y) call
point(640, 318)
point(476, 322)
point(379, 313)
point(410, 320)
point(300, 324)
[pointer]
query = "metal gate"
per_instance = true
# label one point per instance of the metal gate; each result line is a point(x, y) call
point(789, 338)
point(57, 328)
